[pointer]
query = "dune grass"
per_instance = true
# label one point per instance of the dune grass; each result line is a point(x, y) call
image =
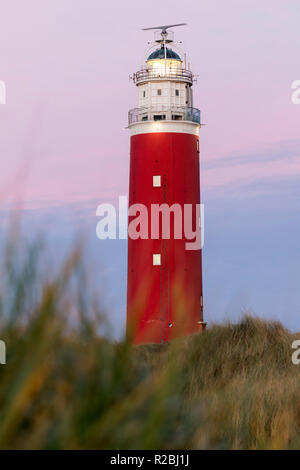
point(66, 387)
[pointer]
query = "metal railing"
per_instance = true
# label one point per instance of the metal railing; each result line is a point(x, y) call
point(181, 75)
point(164, 113)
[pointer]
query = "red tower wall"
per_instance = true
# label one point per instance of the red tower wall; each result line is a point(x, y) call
point(165, 301)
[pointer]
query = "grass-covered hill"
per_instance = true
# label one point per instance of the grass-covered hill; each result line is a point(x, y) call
point(63, 387)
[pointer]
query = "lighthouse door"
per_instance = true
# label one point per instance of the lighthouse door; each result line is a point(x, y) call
point(165, 276)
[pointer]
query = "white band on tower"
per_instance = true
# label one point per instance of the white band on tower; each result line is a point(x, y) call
point(151, 127)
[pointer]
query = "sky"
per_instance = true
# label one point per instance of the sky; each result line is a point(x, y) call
point(65, 149)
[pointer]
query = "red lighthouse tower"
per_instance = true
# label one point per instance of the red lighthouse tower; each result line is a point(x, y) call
point(164, 291)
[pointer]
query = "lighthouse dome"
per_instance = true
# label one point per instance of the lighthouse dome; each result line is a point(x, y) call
point(160, 54)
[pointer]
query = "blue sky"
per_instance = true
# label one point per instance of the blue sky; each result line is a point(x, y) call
point(63, 149)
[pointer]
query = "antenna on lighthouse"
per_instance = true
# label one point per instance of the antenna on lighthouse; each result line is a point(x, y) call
point(164, 28)
point(164, 32)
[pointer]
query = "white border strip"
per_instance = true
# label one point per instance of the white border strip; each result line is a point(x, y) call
point(152, 127)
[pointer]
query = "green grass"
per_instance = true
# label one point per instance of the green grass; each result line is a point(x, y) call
point(65, 387)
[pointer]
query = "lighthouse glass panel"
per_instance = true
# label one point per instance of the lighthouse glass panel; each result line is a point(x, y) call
point(164, 67)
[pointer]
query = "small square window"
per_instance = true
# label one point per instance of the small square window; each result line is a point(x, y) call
point(159, 92)
point(177, 92)
point(156, 181)
point(157, 260)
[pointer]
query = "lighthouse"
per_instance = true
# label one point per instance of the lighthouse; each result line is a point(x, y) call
point(164, 287)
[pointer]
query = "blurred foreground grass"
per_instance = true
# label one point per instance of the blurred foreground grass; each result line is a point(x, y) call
point(65, 387)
